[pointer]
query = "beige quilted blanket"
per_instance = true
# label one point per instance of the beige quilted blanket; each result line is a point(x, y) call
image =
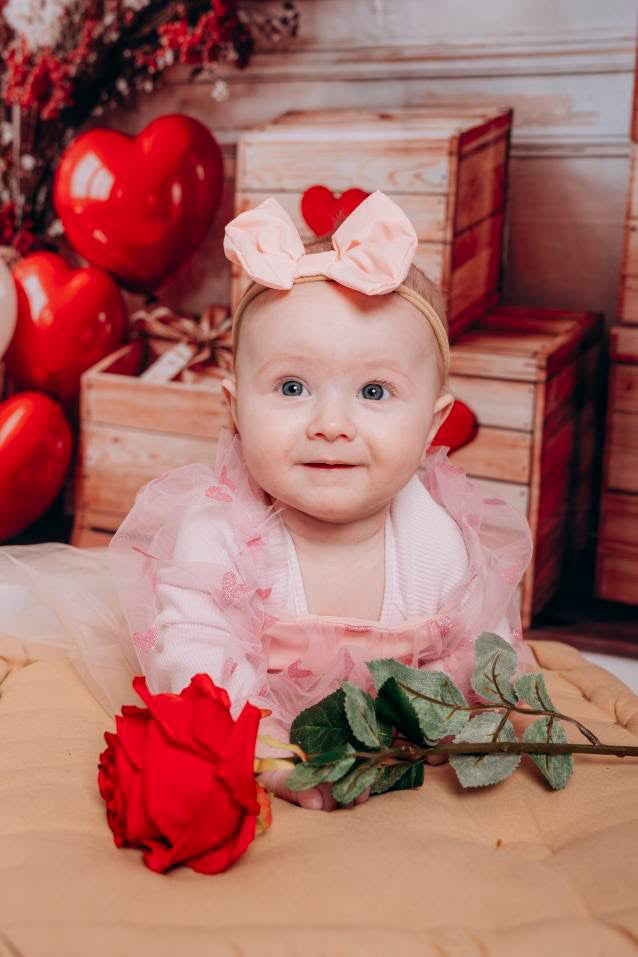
point(512, 870)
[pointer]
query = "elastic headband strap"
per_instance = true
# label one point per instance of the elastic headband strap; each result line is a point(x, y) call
point(417, 300)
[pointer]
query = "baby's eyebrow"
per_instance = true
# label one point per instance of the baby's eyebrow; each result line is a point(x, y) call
point(381, 363)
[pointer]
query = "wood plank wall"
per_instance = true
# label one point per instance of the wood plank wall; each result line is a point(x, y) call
point(565, 67)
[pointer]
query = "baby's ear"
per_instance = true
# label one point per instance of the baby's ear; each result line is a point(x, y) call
point(442, 408)
point(229, 391)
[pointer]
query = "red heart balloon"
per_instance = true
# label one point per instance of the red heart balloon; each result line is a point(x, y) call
point(139, 206)
point(68, 319)
point(459, 428)
point(35, 451)
point(322, 209)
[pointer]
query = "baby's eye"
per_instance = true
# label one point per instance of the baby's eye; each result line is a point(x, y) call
point(374, 390)
point(291, 387)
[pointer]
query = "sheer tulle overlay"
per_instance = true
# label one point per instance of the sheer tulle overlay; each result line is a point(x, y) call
point(106, 608)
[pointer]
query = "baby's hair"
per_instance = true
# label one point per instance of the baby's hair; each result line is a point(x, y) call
point(415, 280)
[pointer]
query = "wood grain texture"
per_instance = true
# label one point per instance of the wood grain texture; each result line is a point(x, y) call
point(569, 80)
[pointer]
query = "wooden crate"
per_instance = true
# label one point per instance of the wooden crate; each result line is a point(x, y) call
point(617, 551)
point(531, 377)
point(617, 554)
point(628, 304)
point(445, 166)
point(131, 431)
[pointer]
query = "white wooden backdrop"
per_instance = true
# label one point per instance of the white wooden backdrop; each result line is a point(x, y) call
point(566, 67)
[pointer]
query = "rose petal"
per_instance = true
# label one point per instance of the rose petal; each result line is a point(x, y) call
point(139, 826)
point(213, 825)
point(222, 857)
point(174, 714)
point(176, 781)
point(132, 731)
point(236, 767)
point(202, 686)
point(212, 726)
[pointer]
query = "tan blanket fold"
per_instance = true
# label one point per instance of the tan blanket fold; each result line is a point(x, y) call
point(513, 869)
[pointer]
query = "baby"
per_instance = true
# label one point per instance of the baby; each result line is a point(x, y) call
point(328, 533)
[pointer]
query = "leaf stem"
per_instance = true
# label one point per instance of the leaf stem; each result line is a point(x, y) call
point(415, 753)
point(515, 709)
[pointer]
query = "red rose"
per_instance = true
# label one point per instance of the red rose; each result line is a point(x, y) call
point(178, 777)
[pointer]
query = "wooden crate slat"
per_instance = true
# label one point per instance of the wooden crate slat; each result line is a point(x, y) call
point(622, 442)
point(498, 454)
point(514, 493)
point(624, 389)
point(497, 402)
point(617, 575)
point(482, 176)
point(619, 520)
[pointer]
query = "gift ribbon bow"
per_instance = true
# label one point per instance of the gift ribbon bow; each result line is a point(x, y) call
point(211, 335)
point(372, 248)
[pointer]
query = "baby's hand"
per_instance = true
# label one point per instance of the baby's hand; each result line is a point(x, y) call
point(315, 799)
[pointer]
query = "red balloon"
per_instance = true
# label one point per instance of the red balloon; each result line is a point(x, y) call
point(68, 319)
point(459, 428)
point(35, 451)
point(140, 205)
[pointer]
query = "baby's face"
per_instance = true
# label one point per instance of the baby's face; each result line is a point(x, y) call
point(327, 374)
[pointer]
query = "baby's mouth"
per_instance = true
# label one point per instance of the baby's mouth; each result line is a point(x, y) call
point(328, 465)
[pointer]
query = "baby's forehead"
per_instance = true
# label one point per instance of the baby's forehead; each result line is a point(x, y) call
point(325, 317)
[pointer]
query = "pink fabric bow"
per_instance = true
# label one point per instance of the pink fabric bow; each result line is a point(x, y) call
point(372, 249)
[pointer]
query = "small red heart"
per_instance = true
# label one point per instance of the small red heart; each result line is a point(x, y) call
point(68, 319)
point(321, 209)
point(459, 428)
point(139, 206)
point(35, 451)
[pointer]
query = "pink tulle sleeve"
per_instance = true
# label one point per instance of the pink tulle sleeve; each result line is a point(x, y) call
point(190, 589)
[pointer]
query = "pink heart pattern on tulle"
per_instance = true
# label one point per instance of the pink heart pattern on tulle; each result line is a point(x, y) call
point(218, 493)
point(296, 672)
point(233, 591)
point(144, 641)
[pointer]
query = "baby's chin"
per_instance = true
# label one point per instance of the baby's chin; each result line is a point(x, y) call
point(342, 509)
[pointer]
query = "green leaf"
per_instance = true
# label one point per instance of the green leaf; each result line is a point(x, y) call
point(355, 782)
point(556, 768)
point(322, 726)
point(436, 701)
point(329, 766)
point(532, 690)
point(475, 770)
point(494, 668)
point(385, 731)
point(397, 777)
point(393, 707)
point(361, 715)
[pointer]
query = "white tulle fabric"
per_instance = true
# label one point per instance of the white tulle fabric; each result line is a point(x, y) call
point(203, 576)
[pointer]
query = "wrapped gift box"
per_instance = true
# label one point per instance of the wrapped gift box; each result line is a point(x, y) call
point(445, 166)
point(617, 554)
point(532, 378)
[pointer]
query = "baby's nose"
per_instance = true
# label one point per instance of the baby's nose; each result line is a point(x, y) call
point(332, 419)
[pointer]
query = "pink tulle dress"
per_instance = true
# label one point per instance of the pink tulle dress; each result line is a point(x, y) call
point(209, 580)
point(203, 575)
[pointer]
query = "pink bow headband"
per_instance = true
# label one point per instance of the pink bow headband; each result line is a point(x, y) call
point(372, 252)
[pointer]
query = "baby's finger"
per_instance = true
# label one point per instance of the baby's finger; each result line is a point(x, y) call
point(363, 796)
point(329, 803)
